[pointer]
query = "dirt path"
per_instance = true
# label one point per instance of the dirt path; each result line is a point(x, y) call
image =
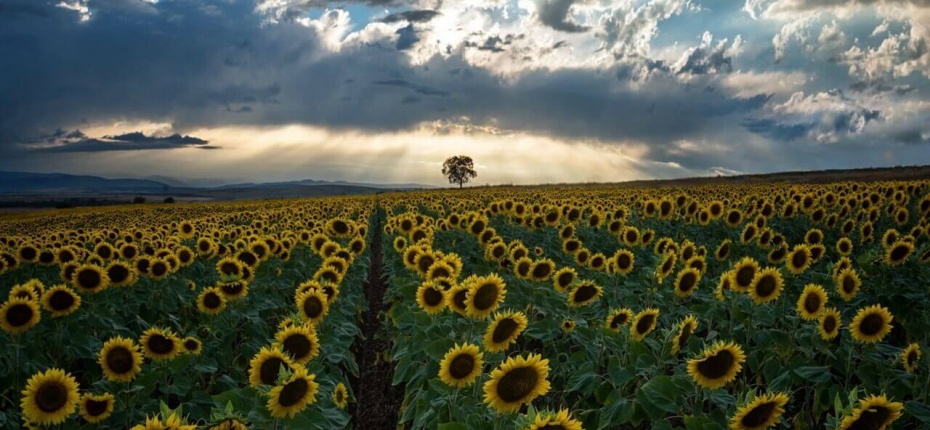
point(376, 401)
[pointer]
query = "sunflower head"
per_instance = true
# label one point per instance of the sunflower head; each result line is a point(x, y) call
point(799, 259)
point(644, 323)
point(618, 318)
point(874, 412)
point(898, 253)
point(687, 281)
point(461, 366)
point(192, 345)
point(60, 301)
point(686, 328)
point(504, 330)
point(829, 323)
point(96, 408)
point(265, 366)
point(584, 293)
point(160, 344)
point(211, 301)
point(120, 359)
point(812, 302)
point(18, 315)
point(50, 397)
point(743, 273)
point(517, 381)
point(485, 294)
point(564, 278)
point(431, 298)
point(90, 279)
point(293, 395)
point(760, 413)
point(341, 396)
point(871, 324)
point(300, 342)
point(717, 365)
point(312, 305)
point(554, 420)
point(766, 285)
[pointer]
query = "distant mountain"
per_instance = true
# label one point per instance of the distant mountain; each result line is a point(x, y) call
point(23, 182)
point(59, 184)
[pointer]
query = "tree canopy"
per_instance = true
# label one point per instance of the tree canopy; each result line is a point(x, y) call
point(459, 169)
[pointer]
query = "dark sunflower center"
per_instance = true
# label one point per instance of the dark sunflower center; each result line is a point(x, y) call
point(459, 299)
point(899, 253)
point(798, 260)
point(717, 366)
point(849, 285)
point(744, 275)
point(212, 300)
point(812, 303)
point(440, 272)
point(293, 392)
point(160, 344)
point(432, 297)
point(229, 268)
point(584, 293)
point(61, 300)
point(645, 323)
point(297, 345)
point(248, 258)
point(829, 324)
point(683, 337)
point(88, 279)
point(232, 288)
point(687, 282)
point(871, 324)
point(485, 297)
point(119, 360)
point(541, 271)
point(759, 415)
point(667, 265)
point(159, 268)
point(623, 261)
point(51, 396)
point(564, 279)
point(96, 407)
point(462, 366)
point(873, 418)
point(766, 286)
point(911, 358)
point(268, 372)
point(618, 320)
point(191, 345)
point(504, 330)
point(313, 307)
point(19, 315)
point(424, 263)
point(118, 273)
point(517, 384)
point(523, 268)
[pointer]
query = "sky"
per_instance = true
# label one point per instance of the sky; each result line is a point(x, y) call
point(536, 91)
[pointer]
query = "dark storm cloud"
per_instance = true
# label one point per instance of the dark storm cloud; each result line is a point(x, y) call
point(76, 141)
point(555, 14)
point(421, 15)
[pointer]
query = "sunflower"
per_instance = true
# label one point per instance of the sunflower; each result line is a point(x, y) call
point(120, 274)
point(666, 265)
point(50, 397)
point(761, 413)
point(766, 286)
point(312, 305)
point(96, 408)
point(847, 284)
point(461, 366)
point(25, 292)
point(644, 323)
point(618, 318)
point(568, 325)
point(293, 395)
point(542, 270)
point(518, 380)
point(874, 412)
point(685, 329)
point(431, 298)
point(160, 344)
point(120, 359)
point(844, 246)
point(298, 341)
point(456, 298)
point(400, 244)
point(812, 301)
point(622, 262)
point(742, 274)
point(724, 284)
point(898, 253)
point(717, 365)
point(18, 315)
point(799, 259)
point(485, 294)
point(90, 279)
point(687, 281)
point(265, 366)
point(871, 324)
point(159, 269)
point(555, 420)
point(60, 301)
point(910, 357)
point(230, 424)
point(563, 278)
point(504, 330)
point(191, 345)
point(340, 396)
point(211, 301)
point(828, 324)
point(584, 294)
point(229, 267)
point(233, 290)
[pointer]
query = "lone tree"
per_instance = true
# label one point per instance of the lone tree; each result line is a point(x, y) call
point(459, 169)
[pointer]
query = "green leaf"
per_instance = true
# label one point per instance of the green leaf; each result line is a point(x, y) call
point(918, 410)
point(452, 426)
point(659, 396)
point(815, 374)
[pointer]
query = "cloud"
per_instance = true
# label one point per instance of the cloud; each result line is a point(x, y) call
point(419, 15)
point(825, 117)
point(707, 58)
point(556, 14)
point(77, 141)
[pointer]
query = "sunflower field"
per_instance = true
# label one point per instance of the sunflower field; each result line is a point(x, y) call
point(799, 306)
